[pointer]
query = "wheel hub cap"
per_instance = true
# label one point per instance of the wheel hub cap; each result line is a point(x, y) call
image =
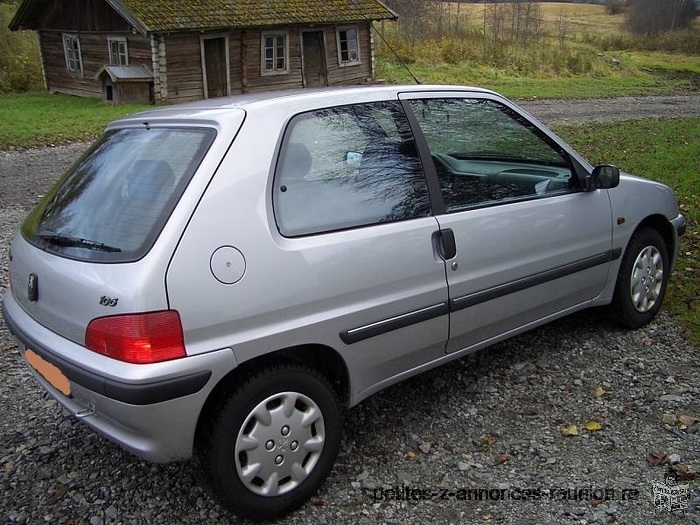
point(279, 443)
point(646, 279)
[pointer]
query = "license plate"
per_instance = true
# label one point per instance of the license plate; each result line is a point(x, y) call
point(50, 372)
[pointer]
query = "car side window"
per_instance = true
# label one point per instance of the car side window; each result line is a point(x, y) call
point(346, 167)
point(486, 153)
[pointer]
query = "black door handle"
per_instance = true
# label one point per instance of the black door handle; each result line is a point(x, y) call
point(445, 243)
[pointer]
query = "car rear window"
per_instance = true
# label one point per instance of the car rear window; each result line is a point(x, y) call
point(112, 204)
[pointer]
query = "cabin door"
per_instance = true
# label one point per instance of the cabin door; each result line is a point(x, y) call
point(314, 59)
point(215, 62)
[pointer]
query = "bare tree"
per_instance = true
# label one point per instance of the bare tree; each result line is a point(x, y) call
point(658, 16)
point(519, 20)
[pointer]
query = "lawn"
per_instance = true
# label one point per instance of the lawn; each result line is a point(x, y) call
point(667, 151)
point(37, 119)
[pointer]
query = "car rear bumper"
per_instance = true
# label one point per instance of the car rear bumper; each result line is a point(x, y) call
point(151, 414)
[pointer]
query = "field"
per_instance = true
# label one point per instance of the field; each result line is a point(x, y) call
point(561, 50)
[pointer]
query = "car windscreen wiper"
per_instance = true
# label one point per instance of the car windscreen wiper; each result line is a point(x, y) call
point(63, 240)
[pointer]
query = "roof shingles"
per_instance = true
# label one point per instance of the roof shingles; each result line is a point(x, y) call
point(178, 15)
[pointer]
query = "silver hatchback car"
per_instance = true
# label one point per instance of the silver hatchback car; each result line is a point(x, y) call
point(217, 279)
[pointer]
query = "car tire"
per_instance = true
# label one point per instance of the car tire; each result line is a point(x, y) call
point(642, 279)
point(269, 444)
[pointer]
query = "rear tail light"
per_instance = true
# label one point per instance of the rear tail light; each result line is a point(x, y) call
point(137, 338)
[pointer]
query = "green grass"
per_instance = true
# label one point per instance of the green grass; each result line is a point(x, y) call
point(564, 87)
point(33, 119)
point(667, 151)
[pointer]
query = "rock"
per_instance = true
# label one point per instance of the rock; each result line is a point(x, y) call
point(674, 459)
point(671, 397)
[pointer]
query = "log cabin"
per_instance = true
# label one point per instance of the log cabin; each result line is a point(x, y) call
point(172, 51)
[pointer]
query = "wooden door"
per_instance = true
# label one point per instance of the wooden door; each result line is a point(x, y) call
point(215, 67)
point(314, 59)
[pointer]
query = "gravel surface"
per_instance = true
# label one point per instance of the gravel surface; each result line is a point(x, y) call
point(494, 421)
point(613, 109)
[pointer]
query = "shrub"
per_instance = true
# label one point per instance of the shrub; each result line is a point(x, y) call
point(20, 69)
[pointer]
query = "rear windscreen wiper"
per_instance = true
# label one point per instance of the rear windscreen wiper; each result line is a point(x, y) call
point(63, 240)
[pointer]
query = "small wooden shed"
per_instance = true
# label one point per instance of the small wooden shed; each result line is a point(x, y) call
point(126, 84)
point(196, 49)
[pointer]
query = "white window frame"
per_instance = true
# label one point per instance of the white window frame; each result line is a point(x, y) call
point(74, 64)
point(119, 40)
point(275, 57)
point(350, 61)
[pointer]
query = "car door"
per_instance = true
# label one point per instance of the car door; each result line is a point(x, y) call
point(529, 244)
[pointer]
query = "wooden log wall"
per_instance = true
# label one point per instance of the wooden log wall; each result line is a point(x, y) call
point(82, 15)
point(349, 74)
point(95, 54)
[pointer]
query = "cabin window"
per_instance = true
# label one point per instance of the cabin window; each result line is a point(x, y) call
point(274, 53)
point(348, 47)
point(118, 53)
point(74, 58)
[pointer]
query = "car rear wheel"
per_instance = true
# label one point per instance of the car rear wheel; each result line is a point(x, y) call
point(271, 442)
point(641, 282)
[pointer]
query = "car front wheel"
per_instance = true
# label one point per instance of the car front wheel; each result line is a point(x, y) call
point(271, 442)
point(641, 282)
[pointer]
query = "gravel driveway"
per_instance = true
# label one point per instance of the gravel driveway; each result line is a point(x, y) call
point(490, 425)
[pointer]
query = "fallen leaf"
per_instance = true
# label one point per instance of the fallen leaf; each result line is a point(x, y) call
point(9, 465)
point(598, 392)
point(529, 411)
point(317, 502)
point(486, 517)
point(685, 473)
point(501, 458)
point(571, 430)
point(487, 441)
point(410, 454)
point(593, 426)
point(657, 458)
point(57, 494)
point(686, 420)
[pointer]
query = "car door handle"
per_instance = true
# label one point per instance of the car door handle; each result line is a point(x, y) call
point(445, 243)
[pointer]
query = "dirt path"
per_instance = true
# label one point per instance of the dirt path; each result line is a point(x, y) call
point(613, 109)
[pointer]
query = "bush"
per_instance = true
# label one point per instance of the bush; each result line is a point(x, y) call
point(20, 68)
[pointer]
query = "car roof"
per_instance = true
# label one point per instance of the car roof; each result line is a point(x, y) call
point(327, 96)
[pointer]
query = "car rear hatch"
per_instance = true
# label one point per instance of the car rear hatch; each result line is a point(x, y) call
point(89, 250)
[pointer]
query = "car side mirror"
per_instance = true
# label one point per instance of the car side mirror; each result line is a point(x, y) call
point(603, 177)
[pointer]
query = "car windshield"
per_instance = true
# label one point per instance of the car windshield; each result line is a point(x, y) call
point(113, 203)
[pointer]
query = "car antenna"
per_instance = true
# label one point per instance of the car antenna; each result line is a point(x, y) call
point(405, 66)
point(371, 25)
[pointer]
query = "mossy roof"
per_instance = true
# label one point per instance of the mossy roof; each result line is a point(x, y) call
point(178, 15)
point(159, 16)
